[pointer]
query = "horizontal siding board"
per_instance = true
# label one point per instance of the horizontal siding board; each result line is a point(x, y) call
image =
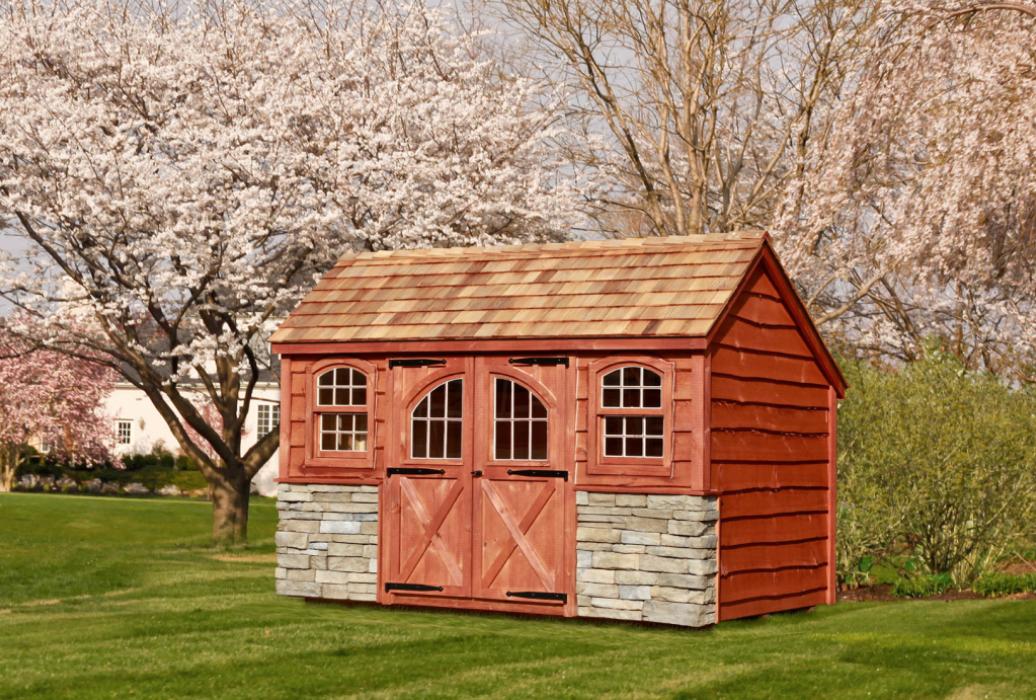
point(773, 556)
point(738, 476)
point(730, 415)
point(760, 309)
point(763, 606)
point(786, 341)
point(774, 502)
point(729, 360)
point(757, 446)
point(725, 388)
point(780, 528)
point(754, 584)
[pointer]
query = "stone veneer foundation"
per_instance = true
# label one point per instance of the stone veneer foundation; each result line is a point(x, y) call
point(650, 558)
point(327, 541)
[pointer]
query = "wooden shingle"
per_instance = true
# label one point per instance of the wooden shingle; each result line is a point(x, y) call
point(659, 287)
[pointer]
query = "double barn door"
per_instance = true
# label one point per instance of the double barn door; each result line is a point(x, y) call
point(476, 500)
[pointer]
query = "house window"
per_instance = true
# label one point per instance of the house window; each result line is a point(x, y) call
point(269, 418)
point(123, 432)
point(519, 423)
point(342, 410)
point(436, 423)
point(632, 420)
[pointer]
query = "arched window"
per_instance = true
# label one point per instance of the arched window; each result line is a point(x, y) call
point(519, 422)
point(436, 425)
point(342, 409)
point(633, 422)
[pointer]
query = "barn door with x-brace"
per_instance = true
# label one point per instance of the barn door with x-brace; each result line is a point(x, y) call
point(476, 498)
point(428, 483)
point(521, 483)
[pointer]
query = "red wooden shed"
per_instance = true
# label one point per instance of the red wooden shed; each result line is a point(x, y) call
point(638, 429)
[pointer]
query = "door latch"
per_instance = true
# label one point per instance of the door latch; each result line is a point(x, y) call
point(476, 473)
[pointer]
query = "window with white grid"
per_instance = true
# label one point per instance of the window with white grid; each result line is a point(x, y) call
point(640, 432)
point(268, 418)
point(123, 432)
point(520, 423)
point(342, 410)
point(436, 424)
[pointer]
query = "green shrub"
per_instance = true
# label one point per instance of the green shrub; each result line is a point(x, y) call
point(998, 584)
point(922, 586)
point(936, 460)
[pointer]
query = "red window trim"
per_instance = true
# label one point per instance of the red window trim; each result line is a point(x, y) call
point(597, 462)
point(318, 460)
point(429, 385)
point(549, 401)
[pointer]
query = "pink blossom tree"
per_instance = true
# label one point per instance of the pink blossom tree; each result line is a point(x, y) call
point(53, 398)
point(915, 212)
point(181, 176)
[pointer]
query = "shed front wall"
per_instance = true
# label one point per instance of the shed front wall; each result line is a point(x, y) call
point(647, 562)
point(771, 446)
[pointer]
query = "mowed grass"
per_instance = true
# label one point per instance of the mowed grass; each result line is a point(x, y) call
point(112, 597)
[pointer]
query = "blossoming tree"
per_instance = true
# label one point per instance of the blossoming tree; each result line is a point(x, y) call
point(54, 399)
point(915, 215)
point(182, 177)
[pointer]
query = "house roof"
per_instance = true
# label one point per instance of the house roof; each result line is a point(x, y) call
point(674, 286)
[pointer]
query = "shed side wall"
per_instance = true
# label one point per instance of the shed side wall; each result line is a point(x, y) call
point(770, 419)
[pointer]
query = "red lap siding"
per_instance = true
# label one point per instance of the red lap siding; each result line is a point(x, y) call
point(770, 451)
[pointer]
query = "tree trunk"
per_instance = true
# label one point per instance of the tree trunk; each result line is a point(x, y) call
point(230, 495)
point(8, 467)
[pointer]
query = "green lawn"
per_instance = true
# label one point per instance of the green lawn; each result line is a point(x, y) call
point(122, 598)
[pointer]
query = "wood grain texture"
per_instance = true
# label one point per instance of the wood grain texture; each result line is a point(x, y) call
point(770, 444)
point(637, 287)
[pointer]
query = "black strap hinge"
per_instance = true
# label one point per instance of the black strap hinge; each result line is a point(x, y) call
point(410, 587)
point(555, 473)
point(538, 595)
point(539, 361)
point(416, 362)
point(413, 471)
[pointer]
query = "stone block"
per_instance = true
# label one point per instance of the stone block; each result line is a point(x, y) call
point(584, 559)
point(675, 613)
point(362, 577)
point(305, 589)
point(369, 528)
point(351, 539)
point(616, 604)
point(681, 552)
point(637, 578)
point(695, 582)
point(596, 534)
point(687, 528)
point(628, 548)
point(338, 549)
point(635, 592)
point(280, 572)
point(700, 516)
point(609, 614)
point(602, 590)
point(295, 540)
point(332, 577)
point(597, 575)
point(595, 546)
point(335, 591)
point(647, 524)
point(593, 519)
point(340, 527)
point(365, 497)
point(671, 501)
point(294, 496)
point(659, 513)
point(372, 566)
point(603, 510)
point(681, 595)
point(636, 537)
point(292, 561)
point(300, 574)
point(582, 498)
point(701, 567)
point(601, 499)
point(613, 560)
point(347, 564)
point(631, 500)
point(292, 525)
point(650, 562)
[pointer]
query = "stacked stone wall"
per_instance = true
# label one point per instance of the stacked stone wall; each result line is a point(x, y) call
point(650, 558)
point(327, 541)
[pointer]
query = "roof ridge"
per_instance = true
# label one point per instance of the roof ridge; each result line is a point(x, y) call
point(603, 245)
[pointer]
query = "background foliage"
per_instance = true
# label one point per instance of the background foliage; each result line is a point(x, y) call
point(935, 463)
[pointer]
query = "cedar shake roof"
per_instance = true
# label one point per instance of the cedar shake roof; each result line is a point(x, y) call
point(673, 286)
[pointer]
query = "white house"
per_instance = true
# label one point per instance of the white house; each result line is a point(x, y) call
point(139, 429)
